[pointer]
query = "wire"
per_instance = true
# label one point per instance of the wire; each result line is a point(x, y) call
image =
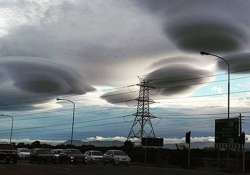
point(80, 122)
point(89, 121)
point(20, 130)
point(176, 85)
point(197, 96)
point(68, 109)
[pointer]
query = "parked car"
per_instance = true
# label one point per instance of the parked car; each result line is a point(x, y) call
point(116, 157)
point(41, 155)
point(74, 156)
point(23, 153)
point(59, 155)
point(8, 153)
point(93, 156)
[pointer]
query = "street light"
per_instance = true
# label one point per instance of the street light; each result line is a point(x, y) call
point(228, 79)
point(73, 118)
point(12, 121)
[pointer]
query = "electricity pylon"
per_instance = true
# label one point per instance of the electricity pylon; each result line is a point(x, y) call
point(142, 125)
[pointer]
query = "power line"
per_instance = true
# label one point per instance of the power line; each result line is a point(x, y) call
point(46, 98)
point(20, 130)
point(207, 95)
point(198, 100)
point(197, 96)
point(104, 124)
point(80, 122)
point(176, 85)
point(63, 110)
point(190, 79)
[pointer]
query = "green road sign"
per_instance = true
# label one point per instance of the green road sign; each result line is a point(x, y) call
point(227, 130)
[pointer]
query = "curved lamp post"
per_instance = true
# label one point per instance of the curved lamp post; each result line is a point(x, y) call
point(228, 78)
point(73, 117)
point(12, 121)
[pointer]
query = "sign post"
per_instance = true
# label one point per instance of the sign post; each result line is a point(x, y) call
point(227, 131)
point(147, 142)
point(242, 142)
point(188, 141)
point(229, 136)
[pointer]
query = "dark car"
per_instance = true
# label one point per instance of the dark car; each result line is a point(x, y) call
point(74, 156)
point(8, 153)
point(40, 155)
point(59, 155)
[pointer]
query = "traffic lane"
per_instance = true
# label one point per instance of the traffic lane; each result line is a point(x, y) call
point(50, 169)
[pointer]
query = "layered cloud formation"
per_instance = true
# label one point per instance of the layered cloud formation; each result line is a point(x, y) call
point(111, 42)
point(121, 96)
point(202, 25)
point(24, 83)
point(209, 35)
point(176, 79)
point(170, 76)
point(179, 74)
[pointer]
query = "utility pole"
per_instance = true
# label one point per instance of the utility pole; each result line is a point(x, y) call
point(12, 125)
point(228, 78)
point(142, 125)
point(242, 144)
point(73, 117)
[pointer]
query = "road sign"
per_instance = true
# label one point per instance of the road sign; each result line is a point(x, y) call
point(148, 141)
point(227, 130)
point(188, 135)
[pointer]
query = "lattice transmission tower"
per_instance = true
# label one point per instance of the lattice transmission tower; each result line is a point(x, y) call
point(142, 125)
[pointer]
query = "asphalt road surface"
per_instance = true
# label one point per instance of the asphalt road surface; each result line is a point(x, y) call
point(50, 169)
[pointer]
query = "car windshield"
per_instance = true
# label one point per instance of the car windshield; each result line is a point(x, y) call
point(74, 151)
point(96, 153)
point(119, 153)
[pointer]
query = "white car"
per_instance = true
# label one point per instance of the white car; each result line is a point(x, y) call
point(23, 153)
point(93, 156)
point(116, 157)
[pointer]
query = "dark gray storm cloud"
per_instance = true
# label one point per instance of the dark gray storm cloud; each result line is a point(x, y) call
point(209, 35)
point(239, 63)
point(186, 60)
point(177, 78)
point(87, 36)
point(121, 97)
point(179, 74)
point(215, 26)
point(45, 78)
point(31, 81)
point(110, 42)
point(169, 76)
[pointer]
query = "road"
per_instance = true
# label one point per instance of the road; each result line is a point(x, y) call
point(50, 169)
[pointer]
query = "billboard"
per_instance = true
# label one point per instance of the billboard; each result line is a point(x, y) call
point(148, 141)
point(227, 130)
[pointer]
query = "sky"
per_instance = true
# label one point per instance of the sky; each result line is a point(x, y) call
point(91, 52)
